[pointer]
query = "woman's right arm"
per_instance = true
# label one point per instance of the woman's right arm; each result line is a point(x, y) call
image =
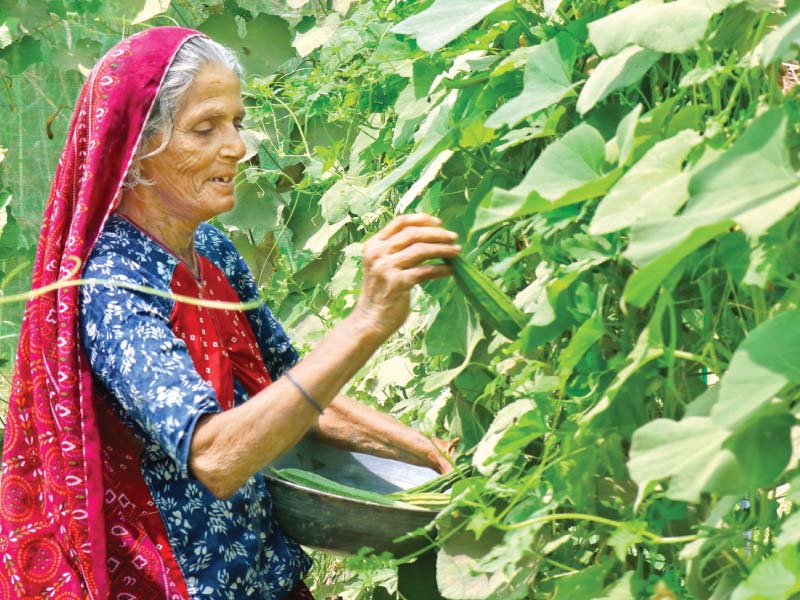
point(230, 447)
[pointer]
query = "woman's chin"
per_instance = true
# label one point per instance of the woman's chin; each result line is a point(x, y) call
point(220, 206)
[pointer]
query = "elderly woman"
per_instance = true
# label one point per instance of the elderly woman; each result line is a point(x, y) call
point(140, 421)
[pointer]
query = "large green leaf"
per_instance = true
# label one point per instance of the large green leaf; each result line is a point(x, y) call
point(22, 54)
point(474, 334)
point(752, 185)
point(456, 566)
point(150, 9)
point(445, 20)
point(790, 532)
point(672, 27)
point(689, 453)
point(783, 43)
point(622, 145)
point(513, 428)
point(548, 78)
point(776, 578)
point(763, 448)
point(580, 343)
point(622, 589)
point(586, 583)
point(9, 229)
point(569, 170)
point(655, 186)
point(616, 72)
point(309, 40)
point(266, 45)
point(649, 346)
point(435, 134)
point(448, 332)
point(761, 366)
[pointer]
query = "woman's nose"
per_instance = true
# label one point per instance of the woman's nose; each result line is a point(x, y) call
point(234, 145)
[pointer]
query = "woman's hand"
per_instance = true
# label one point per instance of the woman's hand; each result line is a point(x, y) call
point(394, 262)
point(442, 461)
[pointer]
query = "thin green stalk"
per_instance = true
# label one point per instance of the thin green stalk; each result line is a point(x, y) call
point(648, 535)
point(682, 354)
point(760, 309)
point(670, 358)
point(296, 122)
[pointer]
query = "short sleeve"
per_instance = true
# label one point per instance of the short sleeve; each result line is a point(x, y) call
point(276, 348)
point(134, 353)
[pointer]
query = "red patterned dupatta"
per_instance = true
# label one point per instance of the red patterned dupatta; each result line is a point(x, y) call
point(68, 529)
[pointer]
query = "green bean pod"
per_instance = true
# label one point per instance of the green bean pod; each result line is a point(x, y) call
point(493, 305)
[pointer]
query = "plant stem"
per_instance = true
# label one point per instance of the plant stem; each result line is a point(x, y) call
point(648, 535)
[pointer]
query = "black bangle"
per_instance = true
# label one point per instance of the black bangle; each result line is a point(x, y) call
point(309, 398)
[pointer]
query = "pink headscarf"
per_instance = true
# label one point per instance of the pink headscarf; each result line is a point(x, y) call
point(74, 521)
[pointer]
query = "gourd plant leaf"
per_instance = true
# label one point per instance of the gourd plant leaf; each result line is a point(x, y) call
point(551, 7)
point(649, 346)
point(474, 334)
point(22, 54)
point(513, 428)
point(456, 566)
point(655, 185)
point(689, 453)
point(448, 333)
point(150, 9)
point(775, 578)
point(586, 583)
point(266, 45)
point(789, 533)
point(445, 20)
point(548, 78)
point(307, 41)
point(763, 447)
point(621, 147)
point(782, 44)
point(760, 368)
point(619, 71)
point(752, 185)
point(569, 170)
point(664, 27)
point(622, 589)
point(435, 135)
point(586, 336)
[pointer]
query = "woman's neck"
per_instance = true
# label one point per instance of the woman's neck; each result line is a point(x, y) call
point(173, 232)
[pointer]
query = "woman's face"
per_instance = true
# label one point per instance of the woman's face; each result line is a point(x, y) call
point(193, 175)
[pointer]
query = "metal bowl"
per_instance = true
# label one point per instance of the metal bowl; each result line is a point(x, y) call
point(342, 525)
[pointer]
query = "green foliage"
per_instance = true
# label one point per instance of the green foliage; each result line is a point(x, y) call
point(625, 172)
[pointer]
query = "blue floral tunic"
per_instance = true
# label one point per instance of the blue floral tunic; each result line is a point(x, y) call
point(136, 343)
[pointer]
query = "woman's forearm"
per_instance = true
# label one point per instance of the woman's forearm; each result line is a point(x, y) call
point(228, 448)
point(350, 425)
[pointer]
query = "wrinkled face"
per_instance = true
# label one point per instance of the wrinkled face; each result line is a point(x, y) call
point(194, 174)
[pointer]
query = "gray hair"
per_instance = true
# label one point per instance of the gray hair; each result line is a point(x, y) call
point(195, 53)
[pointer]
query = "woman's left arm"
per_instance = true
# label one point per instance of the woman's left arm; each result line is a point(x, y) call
point(354, 426)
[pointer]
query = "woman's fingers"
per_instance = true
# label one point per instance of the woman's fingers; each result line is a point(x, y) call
point(403, 221)
point(421, 251)
point(424, 273)
point(415, 234)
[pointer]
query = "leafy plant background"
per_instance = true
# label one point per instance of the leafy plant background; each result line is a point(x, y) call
point(626, 171)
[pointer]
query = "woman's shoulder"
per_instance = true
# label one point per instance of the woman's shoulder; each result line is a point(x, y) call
point(122, 251)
